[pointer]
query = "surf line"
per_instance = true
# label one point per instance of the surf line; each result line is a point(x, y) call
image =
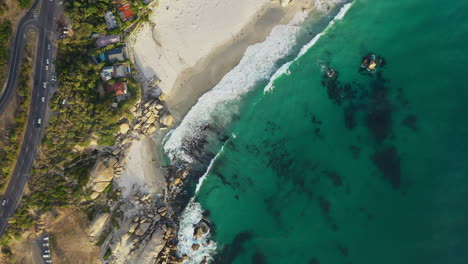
point(284, 69)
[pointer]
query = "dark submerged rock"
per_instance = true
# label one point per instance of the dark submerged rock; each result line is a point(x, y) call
point(387, 161)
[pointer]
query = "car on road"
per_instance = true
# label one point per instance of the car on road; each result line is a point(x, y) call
point(39, 122)
point(43, 99)
point(4, 202)
point(47, 61)
point(45, 85)
point(53, 78)
point(45, 244)
point(48, 46)
point(47, 67)
point(46, 256)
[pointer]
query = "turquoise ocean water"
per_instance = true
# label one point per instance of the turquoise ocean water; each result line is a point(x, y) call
point(359, 168)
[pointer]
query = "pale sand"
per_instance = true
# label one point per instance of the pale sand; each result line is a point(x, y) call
point(142, 170)
point(194, 43)
point(191, 46)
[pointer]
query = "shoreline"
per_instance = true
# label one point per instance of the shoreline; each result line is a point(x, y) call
point(197, 80)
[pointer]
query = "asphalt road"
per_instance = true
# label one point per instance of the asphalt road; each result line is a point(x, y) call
point(45, 22)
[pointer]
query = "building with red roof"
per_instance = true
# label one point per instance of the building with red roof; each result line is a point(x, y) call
point(120, 90)
point(125, 13)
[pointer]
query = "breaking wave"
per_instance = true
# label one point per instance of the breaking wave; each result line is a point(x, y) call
point(216, 108)
point(284, 69)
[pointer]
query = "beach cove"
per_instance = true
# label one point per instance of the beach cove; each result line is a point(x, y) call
point(356, 168)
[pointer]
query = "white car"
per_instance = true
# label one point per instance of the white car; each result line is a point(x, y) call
point(46, 256)
point(47, 67)
point(4, 202)
point(45, 85)
point(45, 244)
point(48, 46)
point(39, 122)
point(46, 238)
point(47, 61)
point(43, 99)
point(48, 261)
point(46, 251)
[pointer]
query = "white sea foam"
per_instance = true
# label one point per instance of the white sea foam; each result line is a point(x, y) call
point(285, 67)
point(202, 178)
point(217, 106)
point(191, 215)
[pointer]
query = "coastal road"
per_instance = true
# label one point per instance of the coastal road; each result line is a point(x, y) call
point(43, 15)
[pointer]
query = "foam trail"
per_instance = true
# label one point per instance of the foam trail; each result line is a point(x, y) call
point(285, 67)
point(202, 178)
point(217, 107)
point(191, 215)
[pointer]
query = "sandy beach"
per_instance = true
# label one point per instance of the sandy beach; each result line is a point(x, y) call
point(190, 45)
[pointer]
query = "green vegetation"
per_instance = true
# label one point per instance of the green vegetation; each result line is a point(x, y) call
point(107, 254)
point(81, 113)
point(10, 144)
point(24, 3)
point(5, 33)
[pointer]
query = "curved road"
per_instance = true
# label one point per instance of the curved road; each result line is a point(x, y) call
point(45, 22)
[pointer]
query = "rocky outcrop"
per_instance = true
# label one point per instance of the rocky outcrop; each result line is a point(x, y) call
point(201, 229)
point(96, 227)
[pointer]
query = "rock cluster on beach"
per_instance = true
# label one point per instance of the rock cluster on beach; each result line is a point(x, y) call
point(150, 114)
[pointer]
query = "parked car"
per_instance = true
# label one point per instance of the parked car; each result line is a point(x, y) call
point(45, 244)
point(4, 202)
point(46, 238)
point(46, 251)
point(48, 261)
point(46, 256)
point(47, 61)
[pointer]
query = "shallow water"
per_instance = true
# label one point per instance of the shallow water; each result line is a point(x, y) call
point(364, 168)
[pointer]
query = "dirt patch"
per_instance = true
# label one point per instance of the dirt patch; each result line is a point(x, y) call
point(70, 242)
point(23, 250)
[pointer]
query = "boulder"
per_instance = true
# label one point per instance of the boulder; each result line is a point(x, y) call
point(156, 217)
point(96, 227)
point(167, 120)
point(102, 172)
point(151, 119)
point(100, 186)
point(201, 229)
point(94, 195)
point(177, 181)
point(151, 129)
point(144, 227)
point(116, 152)
point(195, 247)
point(133, 227)
point(124, 128)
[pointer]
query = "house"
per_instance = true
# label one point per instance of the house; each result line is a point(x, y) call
point(110, 20)
point(120, 90)
point(121, 70)
point(117, 71)
point(111, 56)
point(125, 13)
point(101, 42)
point(115, 55)
point(107, 73)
